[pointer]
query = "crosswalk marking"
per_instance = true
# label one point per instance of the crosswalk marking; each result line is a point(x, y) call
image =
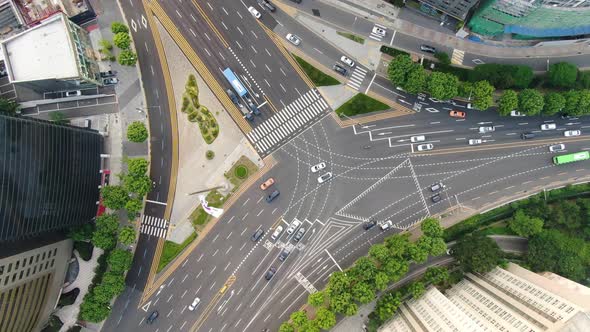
point(357, 77)
point(154, 226)
point(292, 118)
point(376, 36)
point(457, 57)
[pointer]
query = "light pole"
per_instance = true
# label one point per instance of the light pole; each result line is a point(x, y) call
point(145, 108)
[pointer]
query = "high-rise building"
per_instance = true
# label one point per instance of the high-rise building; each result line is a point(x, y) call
point(455, 8)
point(511, 299)
point(49, 182)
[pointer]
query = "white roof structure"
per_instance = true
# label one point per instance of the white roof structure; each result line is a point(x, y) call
point(40, 53)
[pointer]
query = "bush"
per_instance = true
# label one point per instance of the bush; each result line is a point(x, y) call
point(194, 117)
point(137, 132)
point(392, 51)
point(503, 76)
point(127, 58)
point(122, 40)
point(209, 155)
point(84, 249)
point(241, 172)
point(127, 235)
point(120, 260)
point(114, 197)
point(443, 58)
point(137, 166)
point(106, 44)
point(583, 80)
point(117, 27)
point(562, 74)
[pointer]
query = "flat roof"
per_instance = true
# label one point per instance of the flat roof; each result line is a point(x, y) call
point(43, 52)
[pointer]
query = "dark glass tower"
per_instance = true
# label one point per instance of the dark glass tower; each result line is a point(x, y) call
point(49, 177)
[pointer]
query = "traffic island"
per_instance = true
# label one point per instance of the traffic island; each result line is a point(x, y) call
point(317, 76)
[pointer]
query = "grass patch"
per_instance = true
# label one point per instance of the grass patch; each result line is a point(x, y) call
point(496, 230)
point(241, 172)
point(317, 77)
point(352, 37)
point(199, 217)
point(361, 104)
point(199, 113)
point(231, 175)
point(172, 249)
point(84, 249)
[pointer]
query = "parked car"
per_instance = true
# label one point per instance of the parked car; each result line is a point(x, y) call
point(420, 138)
point(73, 93)
point(277, 233)
point(257, 235)
point(548, 126)
point(108, 73)
point(296, 223)
point(272, 196)
point(570, 133)
point(369, 224)
point(436, 198)
point(293, 39)
point(152, 317)
point(527, 135)
point(340, 70)
point(110, 81)
point(386, 225)
point(266, 4)
point(516, 113)
point(487, 129)
point(254, 12)
point(299, 235)
point(475, 141)
point(437, 186)
point(427, 49)
point(378, 31)
point(457, 114)
point(270, 273)
point(425, 147)
point(318, 167)
point(325, 177)
point(347, 61)
point(195, 304)
point(267, 183)
point(557, 147)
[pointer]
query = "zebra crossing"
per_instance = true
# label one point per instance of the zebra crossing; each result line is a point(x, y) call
point(457, 57)
point(288, 122)
point(154, 226)
point(357, 77)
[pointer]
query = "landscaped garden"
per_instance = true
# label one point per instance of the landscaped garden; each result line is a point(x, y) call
point(317, 76)
point(199, 113)
point(361, 104)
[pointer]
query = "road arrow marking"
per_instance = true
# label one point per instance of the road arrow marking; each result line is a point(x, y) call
point(146, 306)
point(381, 134)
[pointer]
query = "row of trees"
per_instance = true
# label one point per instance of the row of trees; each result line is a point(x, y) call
point(122, 40)
point(135, 184)
point(532, 102)
point(386, 263)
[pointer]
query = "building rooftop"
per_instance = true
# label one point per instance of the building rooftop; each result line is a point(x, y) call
point(42, 52)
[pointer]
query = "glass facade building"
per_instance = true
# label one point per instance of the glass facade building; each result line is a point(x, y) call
point(49, 177)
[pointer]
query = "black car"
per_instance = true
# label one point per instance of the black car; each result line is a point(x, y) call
point(527, 135)
point(266, 4)
point(107, 73)
point(270, 273)
point(299, 234)
point(152, 317)
point(232, 96)
point(340, 70)
point(284, 254)
point(257, 235)
point(435, 198)
point(272, 196)
point(369, 224)
point(427, 49)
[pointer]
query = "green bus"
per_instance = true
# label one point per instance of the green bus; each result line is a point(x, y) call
point(570, 158)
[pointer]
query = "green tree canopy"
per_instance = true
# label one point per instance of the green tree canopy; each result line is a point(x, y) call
point(117, 27)
point(325, 318)
point(286, 327)
point(316, 299)
point(343, 303)
point(363, 292)
point(114, 281)
point(381, 281)
point(105, 241)
point(137, 132)
point(122, 40)
point(339, 283)
point(9, 106)
point(396, 268)
point(363, 269)
point(482, 95)
point(562, 74)
point(436, 275)
point(572, 99)
point(443, 86)
point(120, 260)
point(524, 225)
point(139, 184)
point(554, 103)
point(431, 227)
point(82, 232)
point(387, 306)
point(107, 223)
point(476, 253)
point(508, 102)
point(299, 318)
point(530, 102)
point(416, 289)
point(127, 58)
point(416, 80)
point(133, 206)
point(137, 166)
point(379, 252)
point(443, 58)
point(437, 246)
point(398, 244)
point(310, 326)
point(398, 69)
point(94, 311)
point(127, 235)
point(114, 197)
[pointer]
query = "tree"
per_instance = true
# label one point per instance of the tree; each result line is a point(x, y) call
point(436, 275)
point(137, 132)
point(103, 240)
point(133, 206)
point(127, 58)
point(508, 102)
point(584, 104)
point(286, 327)
point(476, 253)
point(431, 227)
point(82, 232)
point(530, 102)
point(443, 58)
point(103, 293)
point(416, 289)
point(137, 166)
point(503, 76)
point(316, 299)
point(140, 184)
point(554, 103)
point(554, 251)
point(398, 244)
point(122, 40)
point(396, 268)
point(299, 318)
point(363, 269)
point(325, 318)
point(482, 95)
point(116, 282)
point(398, 69)
point(443, 86)
point(363, 292)
point(127, 235)
point(120, 260)
point(9, 106)
point(583, 80)
point(339, 283)
point(310, 326)
point(381, 281)
point(387, 306)
point(379, 252)
point(114, 197)
point(117, 27)
point(419, 251)
point(341, 303)
point(94, 311)
point(416, 80)
point(437, 246)
point(524, 225)
point(107, 223)
point(562, 74)
point(58, 117)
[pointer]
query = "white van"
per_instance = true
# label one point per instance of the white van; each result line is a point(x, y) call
point(275, 235)
point(296, 223)
point(386, 225)
point(415, 139)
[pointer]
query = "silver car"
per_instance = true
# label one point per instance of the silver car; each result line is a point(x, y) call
point(318, 167)
point(425, 147)
point(293, 39)
point(325, 177)
point(487, 129)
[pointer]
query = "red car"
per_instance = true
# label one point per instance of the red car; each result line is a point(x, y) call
point(457, 114)
point(267, 183)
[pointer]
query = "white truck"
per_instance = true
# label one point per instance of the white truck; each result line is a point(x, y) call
point(386, 225)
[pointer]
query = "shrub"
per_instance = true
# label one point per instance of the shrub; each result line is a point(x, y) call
point(503, 76)
point(562, 74)
point(122, 40)
point(106, 44)
point(137, 132)
point(443, 58)
point(209, 155)
point(241, 172)
point(127, 235)
point(392, 51)
point(120, 260)
point(117, 27)
point(194, 117)
point(127, 58)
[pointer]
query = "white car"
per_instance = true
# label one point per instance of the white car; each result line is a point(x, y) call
point(318, 167)
point(570, 133)
point(195, 304)
point(488, 129)
point(548, 126)
point(475, 141)
point(293, 39)
point(325, 177)
point(296, 223)
point(516, 113)
point(425, 147)
point(378, 31)
point(275, 235)
point(557, 147)
point(254, 12)
point(347, 61)
point(386, 225)
point(420, 138)
point(73, 93)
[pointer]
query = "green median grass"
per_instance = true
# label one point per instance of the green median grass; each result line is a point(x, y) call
point(317, 77)
point(352, 37)
point(172, 249)
point(361, 104)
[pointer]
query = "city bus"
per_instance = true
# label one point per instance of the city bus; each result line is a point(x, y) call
point(570, 158)
point(235, 82)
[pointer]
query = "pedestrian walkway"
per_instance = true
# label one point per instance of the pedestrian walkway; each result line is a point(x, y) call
point(154, 226)
point(457, 57)
point(357, 77)
point(288, 122)
point(374, 32)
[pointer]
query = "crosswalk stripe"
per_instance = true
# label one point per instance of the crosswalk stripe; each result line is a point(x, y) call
point(355, 81)
point(324, 104)
point(375, 38)
point(283, 115)
point(316, 109)
point(358, 75)
point(362, 70)
point(353, 84)
point(274, 122)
